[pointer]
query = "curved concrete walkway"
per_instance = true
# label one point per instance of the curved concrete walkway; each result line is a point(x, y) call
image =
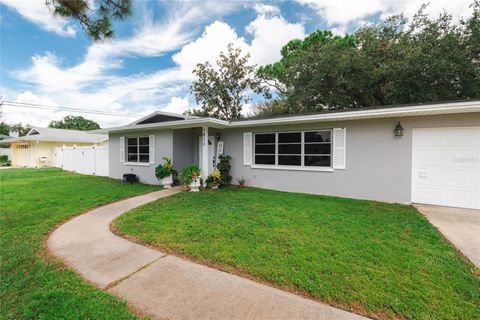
point(166, 286)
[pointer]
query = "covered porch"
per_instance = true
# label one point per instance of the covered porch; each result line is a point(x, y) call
point(199, 145)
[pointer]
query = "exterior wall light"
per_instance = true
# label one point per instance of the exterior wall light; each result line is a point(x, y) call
point(398, 132)
point(217, 136)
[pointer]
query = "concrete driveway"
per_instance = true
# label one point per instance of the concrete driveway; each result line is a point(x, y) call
point(460, 226)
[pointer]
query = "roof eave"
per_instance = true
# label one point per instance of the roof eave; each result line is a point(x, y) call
point(178, 124)
point(447, 108)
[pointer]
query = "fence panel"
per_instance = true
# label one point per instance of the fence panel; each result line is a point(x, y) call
point(86, 160)
point(58, 157)
point(101, 161)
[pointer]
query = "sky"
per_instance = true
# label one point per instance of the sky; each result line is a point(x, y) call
point(48, 61)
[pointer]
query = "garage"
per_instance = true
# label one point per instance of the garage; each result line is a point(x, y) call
point(446, 166)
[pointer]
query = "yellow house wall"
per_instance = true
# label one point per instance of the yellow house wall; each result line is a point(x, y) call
point(44, 149)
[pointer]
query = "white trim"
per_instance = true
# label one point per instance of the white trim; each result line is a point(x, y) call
point(294, 168)
point(141, 164)
point(204, 155)
point(302, 154)
point(178, 124)
point(386, 112)
point(163, 113)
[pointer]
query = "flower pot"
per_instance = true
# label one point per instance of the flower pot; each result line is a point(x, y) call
point(167, 182)
point(194, 185)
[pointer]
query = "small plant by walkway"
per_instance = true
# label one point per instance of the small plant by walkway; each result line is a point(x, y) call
point(33, 285)
point(381, 260)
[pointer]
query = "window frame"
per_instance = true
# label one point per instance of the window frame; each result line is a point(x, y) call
point(302, 166)
point(138, 153)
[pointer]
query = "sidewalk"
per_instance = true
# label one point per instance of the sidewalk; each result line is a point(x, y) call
point(166, 286)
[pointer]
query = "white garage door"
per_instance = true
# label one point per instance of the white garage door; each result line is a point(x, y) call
point(446, 167)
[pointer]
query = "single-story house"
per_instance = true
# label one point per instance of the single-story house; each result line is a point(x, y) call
point(428, 153)
point(5, 148)
point(37, 147)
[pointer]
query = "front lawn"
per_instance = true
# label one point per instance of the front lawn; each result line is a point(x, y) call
point(381, 260)
point(34, 285)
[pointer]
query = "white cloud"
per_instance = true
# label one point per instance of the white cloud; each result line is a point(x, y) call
point(207, 47)
point(264, 48)
point(92, 84)
point(262, 8)
point(340, 14)
point(38, 13)
point(176, 105)
point(270, 35)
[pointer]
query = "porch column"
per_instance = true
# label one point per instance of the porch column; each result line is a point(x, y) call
point(204, 168)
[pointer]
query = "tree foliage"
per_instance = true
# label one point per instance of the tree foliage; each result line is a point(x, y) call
point(74, 123)
point(94, 16)
point(20, 128)
point(4, 128)
point(392, 62)
point(222, 91)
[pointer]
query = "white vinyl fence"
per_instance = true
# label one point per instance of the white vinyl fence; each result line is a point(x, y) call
point(87, 160)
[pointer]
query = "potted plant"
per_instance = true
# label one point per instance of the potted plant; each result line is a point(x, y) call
point(191, 176)
point(213, 180)
point(241, 182)
point(165, 172)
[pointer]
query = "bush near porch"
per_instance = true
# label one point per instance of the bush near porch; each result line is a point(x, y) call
point(381, 260)
point(33, 285)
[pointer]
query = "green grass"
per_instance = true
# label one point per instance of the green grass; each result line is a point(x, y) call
point(34, 285)
point(381, 260)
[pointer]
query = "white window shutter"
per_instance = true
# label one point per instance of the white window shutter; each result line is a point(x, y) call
point(151, 142)
point(339, 148)
point(122, 149)
point(247, 148)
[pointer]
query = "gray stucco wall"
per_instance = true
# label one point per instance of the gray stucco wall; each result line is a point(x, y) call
point(146, 173)
point(378, 164)
point(183, 148)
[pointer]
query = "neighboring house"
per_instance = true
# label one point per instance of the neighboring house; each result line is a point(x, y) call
point(5, 148)
point(426, 153)
point(38, 147)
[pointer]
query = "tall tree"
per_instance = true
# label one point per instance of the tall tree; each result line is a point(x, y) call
point(74, 123)
point(222, 91)
point(392, 62)
point(94, 16)
point(4, 128)
point(20, 128)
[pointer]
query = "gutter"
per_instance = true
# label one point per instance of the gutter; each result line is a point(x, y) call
point(389, 112)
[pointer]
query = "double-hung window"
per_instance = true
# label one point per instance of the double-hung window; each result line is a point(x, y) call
point(298, 149)
point(138, 149)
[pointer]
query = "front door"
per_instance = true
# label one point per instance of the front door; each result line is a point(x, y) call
point(22, 156)
point(211, 153)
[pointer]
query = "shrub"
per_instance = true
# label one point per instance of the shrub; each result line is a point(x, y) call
point(214, 179)
point(224, 168)
point(190, 173)
point(241, 182)
point(165, 170)
point(3, 158)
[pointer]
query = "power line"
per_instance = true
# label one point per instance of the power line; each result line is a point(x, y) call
point(78, 110)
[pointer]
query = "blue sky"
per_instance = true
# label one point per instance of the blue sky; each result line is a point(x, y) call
point(49, 61)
